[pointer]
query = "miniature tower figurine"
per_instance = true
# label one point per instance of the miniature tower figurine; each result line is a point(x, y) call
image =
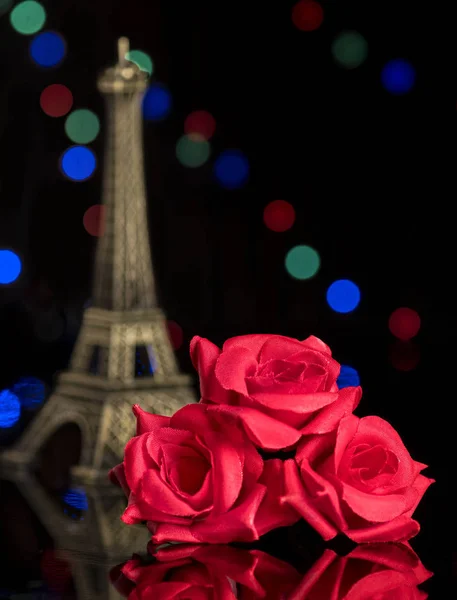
point(123, 355)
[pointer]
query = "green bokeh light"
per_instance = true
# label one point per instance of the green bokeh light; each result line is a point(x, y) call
point(28, 17)
point(142, 60)
point(192, 151)
point(82, 126)
point(302, 262)
point(350, 49)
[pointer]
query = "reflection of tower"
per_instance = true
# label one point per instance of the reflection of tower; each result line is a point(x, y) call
point(94, 541)
point(123, 355)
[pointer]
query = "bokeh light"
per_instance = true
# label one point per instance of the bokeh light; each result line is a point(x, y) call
point(82, 126)
point(350, 49)
point(156, 102)
point(404, 356)
point(404, 323)
point(343, 296)
point(56, 100)
point(48, 49)
point(94, 220)
point(231, 169)
point(176, 334)
point(398, 76)
point(192, 152)
point(76, 498)
point(302, 262)
point(10, 409)
point(28, 17)
point(200, 123)
point(78, 163)
point(348, 377)
point(10, 266)
point(307, 15)
point(279, 215)
point(30, 391)
point(142, 60)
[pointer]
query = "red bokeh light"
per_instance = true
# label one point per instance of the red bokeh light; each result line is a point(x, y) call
point(307, 15)
point(56, 100)
point(404, 356)
point(176, 334)
point(404, 323)
point(200, 123)
point(279, 215)
point(94, 220)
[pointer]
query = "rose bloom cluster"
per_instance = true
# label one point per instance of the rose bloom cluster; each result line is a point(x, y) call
point(273, 440)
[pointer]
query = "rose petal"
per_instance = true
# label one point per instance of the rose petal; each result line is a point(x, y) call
point(204, 355)
point(253, 342)
point(296, 497)
point(330, 416)
point(314, 576)
point(274, 512)
point(376, 508)
point(137, 460)
point(314, 343)
point(146, 422)
point(117, 476)
point(400, 529)
point(420, 485)
point(232, 368)
point(346, 431)
point(279, 347)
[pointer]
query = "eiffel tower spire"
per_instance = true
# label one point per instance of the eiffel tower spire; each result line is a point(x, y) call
point(123, 354)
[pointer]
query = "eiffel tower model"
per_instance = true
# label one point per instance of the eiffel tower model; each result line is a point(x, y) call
point(123, 355)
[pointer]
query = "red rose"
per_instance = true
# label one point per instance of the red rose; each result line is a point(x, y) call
point(281, 388)
point(387, 571)
point(196, 477)
point(359, 480)
point(206, 572)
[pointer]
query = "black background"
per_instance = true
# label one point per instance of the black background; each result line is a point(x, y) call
point(359, 165)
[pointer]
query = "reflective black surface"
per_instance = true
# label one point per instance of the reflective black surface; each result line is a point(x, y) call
point(64, 540)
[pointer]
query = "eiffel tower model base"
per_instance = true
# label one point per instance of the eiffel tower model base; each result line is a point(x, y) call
point(101, 404)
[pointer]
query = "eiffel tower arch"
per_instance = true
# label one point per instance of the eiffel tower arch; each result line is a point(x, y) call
point(123, 354)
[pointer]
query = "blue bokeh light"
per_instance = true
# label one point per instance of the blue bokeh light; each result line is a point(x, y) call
point(76, 498)
point(156, 102)
point(78, 163)
point(10, 266)
point(398, 76)
point(348, 377)
point(231, 169)
point(30, 391)
point(48, 49)
point(343, 296)
point(10, 409)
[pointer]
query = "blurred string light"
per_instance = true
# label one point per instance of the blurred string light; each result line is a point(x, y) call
point(28, 17)
point(348, 377)
point(142, 60)
point(398, 76)
point(343, 296)
point(175, 334)
point(48, 49)
point(404, 323)
point(350, 49)
point(30, 391)
point(279, 215)
point(156, 102)
point(302, 262)
point(10, 409)
point(404, 356)
point(231, 169)
point(94, 220)
point(76, 498)
point(200, 123)
point(192, 151)
point(82, 126)
point(56, 100)
point(10, 266)
point(78, 163)
point(307, 15)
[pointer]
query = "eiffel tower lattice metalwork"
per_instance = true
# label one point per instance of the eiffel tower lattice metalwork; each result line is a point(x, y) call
point(124, 326)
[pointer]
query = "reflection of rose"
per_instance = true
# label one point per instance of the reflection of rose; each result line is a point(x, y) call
point(206, 573)
point(280, 387)
point(195, 477)
point(381, 571)
point(359, 480)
